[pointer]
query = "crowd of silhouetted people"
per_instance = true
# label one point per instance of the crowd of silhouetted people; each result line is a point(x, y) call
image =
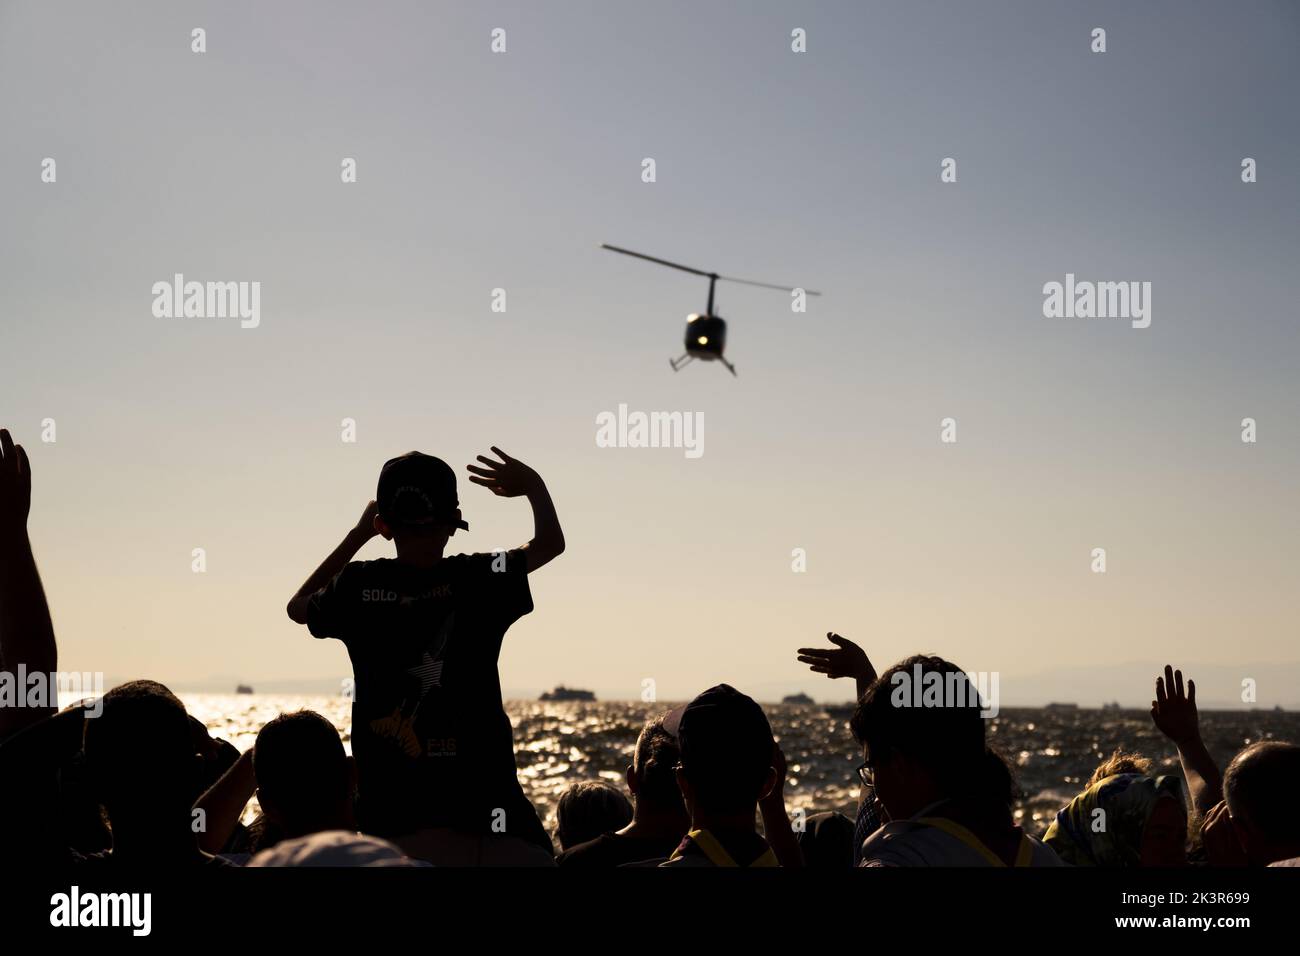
point(132, 779)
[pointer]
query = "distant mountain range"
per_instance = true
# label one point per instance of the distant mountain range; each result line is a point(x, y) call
point(1219, 686)
point(1132, 685)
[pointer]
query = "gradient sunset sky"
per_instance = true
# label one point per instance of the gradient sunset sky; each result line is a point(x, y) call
point(479, 170)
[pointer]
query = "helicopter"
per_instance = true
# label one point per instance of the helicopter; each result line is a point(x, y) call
point(706, 333)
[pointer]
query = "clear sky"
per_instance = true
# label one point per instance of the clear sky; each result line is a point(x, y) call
point(479, 170)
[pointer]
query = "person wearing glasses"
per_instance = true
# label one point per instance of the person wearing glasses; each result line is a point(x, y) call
point(945, 798)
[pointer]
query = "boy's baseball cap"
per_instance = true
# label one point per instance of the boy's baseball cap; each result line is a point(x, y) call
point(722, 728)
point(417, 489)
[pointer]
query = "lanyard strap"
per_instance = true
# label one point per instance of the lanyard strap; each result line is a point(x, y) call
point(959, 832)
point(717, 854)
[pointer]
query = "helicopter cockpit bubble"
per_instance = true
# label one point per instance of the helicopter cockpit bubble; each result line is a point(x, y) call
point(706, 336)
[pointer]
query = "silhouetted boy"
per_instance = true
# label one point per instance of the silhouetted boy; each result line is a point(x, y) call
point(432, 741)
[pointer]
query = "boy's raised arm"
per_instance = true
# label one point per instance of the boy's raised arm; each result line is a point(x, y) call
point(338, 560)
point(510, 478)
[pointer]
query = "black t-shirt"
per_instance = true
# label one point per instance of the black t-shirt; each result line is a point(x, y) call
point(613, 849)
point(431, 738)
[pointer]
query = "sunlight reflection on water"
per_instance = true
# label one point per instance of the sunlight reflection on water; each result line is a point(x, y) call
point(558, 743)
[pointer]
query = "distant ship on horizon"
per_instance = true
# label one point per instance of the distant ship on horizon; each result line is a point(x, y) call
point(799, 698)
point(1057, 705)
point(243, 689)
point(567, 693)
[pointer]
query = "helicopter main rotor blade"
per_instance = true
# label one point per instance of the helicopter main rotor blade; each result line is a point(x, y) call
point(766, 285)
point(662, 262)
point(701, 272)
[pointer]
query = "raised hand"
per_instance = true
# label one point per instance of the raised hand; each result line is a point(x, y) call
point(26, 631)
point(1174, 709)
point(1174, 714)
point(508, 478)
point(845, 659)
point(15, 486)
point(366, 523)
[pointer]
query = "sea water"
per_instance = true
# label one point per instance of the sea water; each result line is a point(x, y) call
point(558, 743)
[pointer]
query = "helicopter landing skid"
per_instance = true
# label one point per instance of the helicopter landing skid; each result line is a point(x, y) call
point(679, 363)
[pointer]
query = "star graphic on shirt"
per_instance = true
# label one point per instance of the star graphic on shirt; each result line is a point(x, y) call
point(429, 670)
